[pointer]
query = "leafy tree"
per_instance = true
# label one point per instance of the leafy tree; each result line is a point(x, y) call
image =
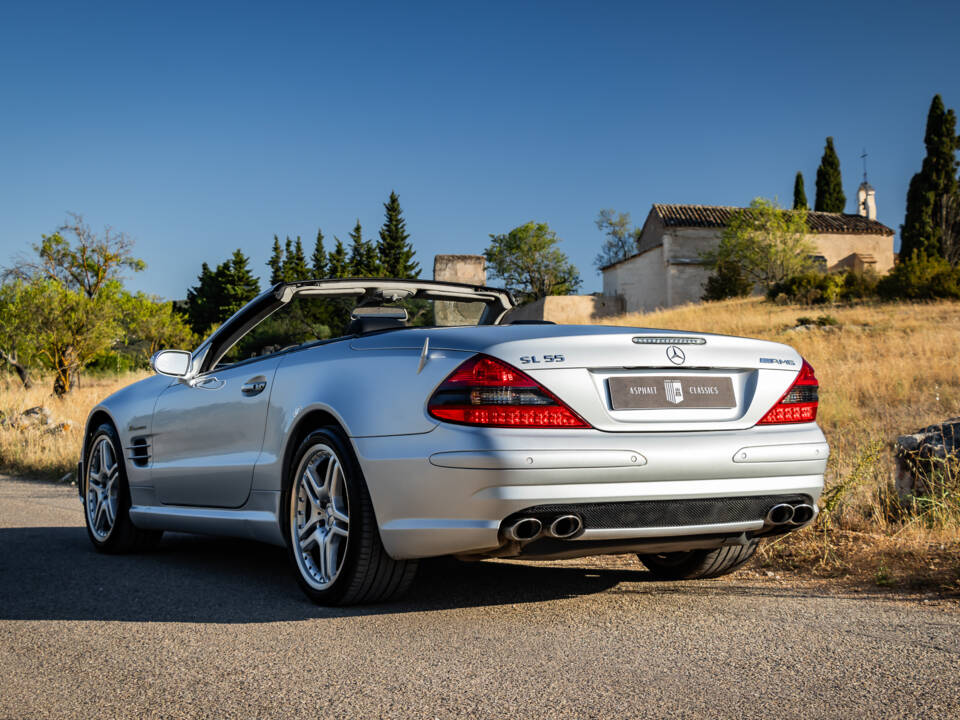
point(930, 188)
point(337, 264)
point(621, 241)
point(395, 251)
point(61, 328)
point(318, 260)
point(529, 264)
point(219, 293)
point(86, 263)
point(275, 263)
point(363, 255)
point(830, 197)
point(768, 244)
point(149, 324)
point(799, 194)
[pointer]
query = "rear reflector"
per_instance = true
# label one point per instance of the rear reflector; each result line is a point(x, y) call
point(799, 404)
point(489, 392)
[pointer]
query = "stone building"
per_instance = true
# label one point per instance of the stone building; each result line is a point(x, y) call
point(667, 269)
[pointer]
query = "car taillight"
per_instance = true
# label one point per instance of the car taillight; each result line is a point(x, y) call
point(489, 392)
point(799, 403)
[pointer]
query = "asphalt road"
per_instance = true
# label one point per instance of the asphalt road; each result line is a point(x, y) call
point(207, 627)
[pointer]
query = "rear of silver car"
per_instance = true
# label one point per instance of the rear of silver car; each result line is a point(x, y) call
point(672, 442)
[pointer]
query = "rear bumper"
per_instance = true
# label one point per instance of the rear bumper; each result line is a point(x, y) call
point(448, 491)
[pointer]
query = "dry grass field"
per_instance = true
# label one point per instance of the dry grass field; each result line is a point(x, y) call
point(884, 370)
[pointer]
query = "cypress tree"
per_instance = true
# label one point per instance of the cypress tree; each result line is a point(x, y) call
point(936, 180)
point(395, 251)
point(318, 260)
point(275, 263)
point(337, 265)
point(363, 256)
point(238, 286)
point(799, 194)
point(830, 197)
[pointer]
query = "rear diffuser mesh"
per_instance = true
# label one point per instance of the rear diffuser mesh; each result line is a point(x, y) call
point(663, 513)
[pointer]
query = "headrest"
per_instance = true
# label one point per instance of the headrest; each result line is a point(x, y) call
point(372, 323)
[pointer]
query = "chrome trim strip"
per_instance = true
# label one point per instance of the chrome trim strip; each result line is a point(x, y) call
point(619, 533)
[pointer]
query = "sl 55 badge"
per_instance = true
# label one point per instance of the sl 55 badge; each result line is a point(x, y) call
point(534, 359)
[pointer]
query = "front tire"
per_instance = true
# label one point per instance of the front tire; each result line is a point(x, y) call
point(106, 497)
point(331, 529)
point(699, 564)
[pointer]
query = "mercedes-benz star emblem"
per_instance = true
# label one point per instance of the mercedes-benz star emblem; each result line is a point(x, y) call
point(675, 355)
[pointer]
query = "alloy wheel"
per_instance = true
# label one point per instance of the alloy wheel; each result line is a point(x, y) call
point(319, 516)
point(103, 485)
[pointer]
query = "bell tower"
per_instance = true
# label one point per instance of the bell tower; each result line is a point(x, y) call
point(866, 195)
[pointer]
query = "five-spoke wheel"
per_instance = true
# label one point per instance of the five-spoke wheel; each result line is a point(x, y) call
point(331, 529)
point(320, 516)
point(103, 485)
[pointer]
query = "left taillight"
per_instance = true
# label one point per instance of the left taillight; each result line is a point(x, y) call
point(799, 404)
point(489, 392)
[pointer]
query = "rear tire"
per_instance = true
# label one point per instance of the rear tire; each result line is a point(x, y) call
point(106, 497)
point(331, 530)
point(699, 564)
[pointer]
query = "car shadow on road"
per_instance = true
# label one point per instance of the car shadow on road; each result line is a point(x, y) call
point(52, 573)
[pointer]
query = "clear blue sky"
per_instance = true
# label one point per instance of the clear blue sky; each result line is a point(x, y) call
point(200, 127)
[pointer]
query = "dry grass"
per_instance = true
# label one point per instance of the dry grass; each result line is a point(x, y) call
point(34, 451)
point(884, 371)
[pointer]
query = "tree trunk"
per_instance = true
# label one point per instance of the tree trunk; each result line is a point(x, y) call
point(20, 370)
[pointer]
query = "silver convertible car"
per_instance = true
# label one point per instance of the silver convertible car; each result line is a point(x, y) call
point(366, 423)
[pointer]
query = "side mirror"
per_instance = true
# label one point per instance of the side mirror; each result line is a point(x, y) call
point(175, 363)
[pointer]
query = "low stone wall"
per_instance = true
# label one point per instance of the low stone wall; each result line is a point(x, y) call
point(470, 269)
point(569, 309)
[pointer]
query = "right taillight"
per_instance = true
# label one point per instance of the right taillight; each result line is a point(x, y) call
point(489, 392)
point(799, 403)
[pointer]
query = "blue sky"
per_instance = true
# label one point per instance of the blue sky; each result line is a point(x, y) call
point(202, 127)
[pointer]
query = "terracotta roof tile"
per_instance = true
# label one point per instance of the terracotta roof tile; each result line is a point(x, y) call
point(716, 216)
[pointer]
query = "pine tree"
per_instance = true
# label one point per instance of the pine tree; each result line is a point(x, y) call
point(337, 265)
point(799, 194)
point(318, 260)
point(219, 293)
point(363, 255)
point(936, 180)
point(830, 197)
point(396, 253)
point(238, 286)
point(295, 266)
point(275, 263)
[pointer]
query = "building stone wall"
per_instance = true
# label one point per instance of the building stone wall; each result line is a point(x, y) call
point(641, 281)
point(470, 269)
point(569, 309)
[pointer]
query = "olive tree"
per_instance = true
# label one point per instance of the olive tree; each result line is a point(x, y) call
point(528, 263)
point(765, 243)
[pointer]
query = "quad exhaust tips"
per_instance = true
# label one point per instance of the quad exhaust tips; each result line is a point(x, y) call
point(786, 514)
point(530, 528)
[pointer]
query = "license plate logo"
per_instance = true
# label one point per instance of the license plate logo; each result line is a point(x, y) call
point(674, 391)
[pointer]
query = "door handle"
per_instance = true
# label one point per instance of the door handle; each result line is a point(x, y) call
point(253, 387)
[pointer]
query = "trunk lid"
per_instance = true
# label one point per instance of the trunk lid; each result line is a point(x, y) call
point(631, 379)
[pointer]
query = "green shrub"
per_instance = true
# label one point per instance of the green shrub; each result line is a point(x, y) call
point(921, 277)
point(727, 281)
point(859, 285)
point(809, 288)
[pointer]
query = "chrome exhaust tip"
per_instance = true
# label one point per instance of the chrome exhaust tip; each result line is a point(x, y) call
point(802, 514)
point(565, 526)
point(524, 530)
point(780, 514)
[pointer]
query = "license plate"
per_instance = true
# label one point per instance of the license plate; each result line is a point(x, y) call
point(649, 392)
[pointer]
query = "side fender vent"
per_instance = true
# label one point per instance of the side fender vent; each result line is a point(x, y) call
point(138, 452)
